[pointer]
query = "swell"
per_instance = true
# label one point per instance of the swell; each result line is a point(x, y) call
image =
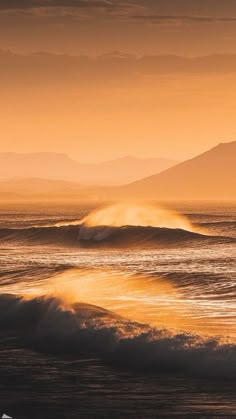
point(219, 224)
point(102, 236)
point(83, 331)
point(223, 228)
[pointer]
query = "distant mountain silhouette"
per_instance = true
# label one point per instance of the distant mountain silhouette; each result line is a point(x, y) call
point(211, 175)
point(61, 167)
point(42, 189)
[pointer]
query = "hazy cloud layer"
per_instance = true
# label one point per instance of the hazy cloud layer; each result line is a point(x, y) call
point(104, 5)
point(115, 67)
point(170, 19)
point(149, 11)
point(29, 4)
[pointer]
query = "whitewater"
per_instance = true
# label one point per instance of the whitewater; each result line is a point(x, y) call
point(134, 301)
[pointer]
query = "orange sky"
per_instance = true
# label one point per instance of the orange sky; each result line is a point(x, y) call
point(109, 104)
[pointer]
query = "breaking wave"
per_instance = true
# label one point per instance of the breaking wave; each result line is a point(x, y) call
point(45, 325)
point(84, 236)
point(118, 225)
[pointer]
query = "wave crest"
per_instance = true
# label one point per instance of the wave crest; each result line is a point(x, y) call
point(83, 331)
point(127, 236)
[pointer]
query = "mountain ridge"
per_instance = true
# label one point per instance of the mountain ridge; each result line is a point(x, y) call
point(208, 176)
point(50, 165)
point(215, 168)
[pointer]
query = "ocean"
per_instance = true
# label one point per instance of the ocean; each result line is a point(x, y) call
point(118, 311)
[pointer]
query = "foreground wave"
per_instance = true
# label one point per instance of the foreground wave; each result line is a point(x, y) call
point(82, 331)
point(85, 236)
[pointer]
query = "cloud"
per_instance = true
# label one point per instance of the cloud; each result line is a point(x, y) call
point(135, 10)
point(118, 68)
point(171, 19)
point(30, 4)
point(63, 11)
point(6, 5)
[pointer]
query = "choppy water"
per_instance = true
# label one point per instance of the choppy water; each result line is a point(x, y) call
point(162, 343)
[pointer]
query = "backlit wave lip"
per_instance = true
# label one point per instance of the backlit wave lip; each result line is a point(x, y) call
point(82, 331)
point(121, 224)
point(155, 300)
point(105, 236)
point(137, 215)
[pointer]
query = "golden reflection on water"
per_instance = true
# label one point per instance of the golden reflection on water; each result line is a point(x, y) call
point(143, 299)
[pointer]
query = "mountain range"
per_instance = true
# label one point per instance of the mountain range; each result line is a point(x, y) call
point(208, 176)
point(61, 167)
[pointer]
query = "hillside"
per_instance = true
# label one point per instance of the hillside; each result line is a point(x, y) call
point(211, 175)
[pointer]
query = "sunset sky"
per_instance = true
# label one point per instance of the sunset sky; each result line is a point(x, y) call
point(99, 79)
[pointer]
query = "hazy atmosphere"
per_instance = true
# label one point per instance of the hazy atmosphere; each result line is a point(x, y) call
point(117, 209)
point(157, 78)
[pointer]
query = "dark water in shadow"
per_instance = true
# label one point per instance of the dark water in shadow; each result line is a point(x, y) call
point(36, 384)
